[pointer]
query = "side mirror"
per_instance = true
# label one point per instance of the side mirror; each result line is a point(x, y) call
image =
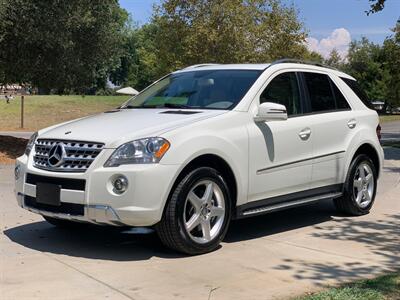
point(269, 111)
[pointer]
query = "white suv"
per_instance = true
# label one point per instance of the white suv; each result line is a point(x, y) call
point(205, 145)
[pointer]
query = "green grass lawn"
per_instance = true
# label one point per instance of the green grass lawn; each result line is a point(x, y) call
point(43, 111)
point(389, 118)
point(381, 288)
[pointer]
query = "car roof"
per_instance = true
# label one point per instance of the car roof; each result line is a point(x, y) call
point(262, 67)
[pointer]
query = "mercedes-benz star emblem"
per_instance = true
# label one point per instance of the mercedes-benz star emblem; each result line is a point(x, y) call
point(56, 155)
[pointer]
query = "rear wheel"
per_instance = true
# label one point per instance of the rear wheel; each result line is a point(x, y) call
point(197, 216)
point(360, 187)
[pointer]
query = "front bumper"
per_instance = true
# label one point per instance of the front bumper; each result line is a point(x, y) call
point(97, 214)
point(141, 205)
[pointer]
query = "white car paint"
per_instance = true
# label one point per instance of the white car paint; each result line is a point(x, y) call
point(262, 155)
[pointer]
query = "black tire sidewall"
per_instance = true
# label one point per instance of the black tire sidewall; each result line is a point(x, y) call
point(203, 173)
point(350, 182)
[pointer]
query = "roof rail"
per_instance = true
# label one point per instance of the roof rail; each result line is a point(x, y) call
point(299, 61)
point(199, 65)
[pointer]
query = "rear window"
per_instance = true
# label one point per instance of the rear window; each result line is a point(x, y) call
point(355, 87)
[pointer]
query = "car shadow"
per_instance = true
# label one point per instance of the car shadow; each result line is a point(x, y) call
point(281, 221)
point(379, 238)
point(93, 242)
point(108, 243)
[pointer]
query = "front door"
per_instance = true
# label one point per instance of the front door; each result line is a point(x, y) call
point(280, 152)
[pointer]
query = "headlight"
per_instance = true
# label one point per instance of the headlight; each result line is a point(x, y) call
point(31, 143)
point(143, 151)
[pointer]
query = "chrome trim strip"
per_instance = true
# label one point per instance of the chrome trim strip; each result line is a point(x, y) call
point(285, 205)
point(298, 161)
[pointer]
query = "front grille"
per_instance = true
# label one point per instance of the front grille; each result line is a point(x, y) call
point(72, 209)
point(65, 183)
point(77, 155)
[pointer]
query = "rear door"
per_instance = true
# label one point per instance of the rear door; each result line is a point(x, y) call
point(332, 125)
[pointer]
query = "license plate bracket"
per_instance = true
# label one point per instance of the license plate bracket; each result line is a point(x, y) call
point(48, 193)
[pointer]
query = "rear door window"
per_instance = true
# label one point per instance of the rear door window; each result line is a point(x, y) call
point(323, 93)
point(320, 92)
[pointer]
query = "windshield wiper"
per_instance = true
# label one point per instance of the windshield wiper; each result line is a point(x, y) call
point(142, 106)
point(164, 105)
point(175, 105)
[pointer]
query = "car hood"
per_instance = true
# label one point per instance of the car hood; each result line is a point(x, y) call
point(118, 126)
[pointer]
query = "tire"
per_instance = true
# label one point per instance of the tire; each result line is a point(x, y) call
point(202, 197)
point(354, 188)
point(63, 223)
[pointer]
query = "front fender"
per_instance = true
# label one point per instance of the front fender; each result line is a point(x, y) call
point(232, 147)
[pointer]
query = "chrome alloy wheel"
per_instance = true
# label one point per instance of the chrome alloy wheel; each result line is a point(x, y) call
point(204, 211)
point(363, 185)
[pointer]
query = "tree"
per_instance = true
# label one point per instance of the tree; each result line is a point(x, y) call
point(334, 60)
point(375, 6)
point(129, 55)
point(391, 50)
point(225, 31)
point(366, 63)
point(145, 70)
point(313, 57)
point(57, 44)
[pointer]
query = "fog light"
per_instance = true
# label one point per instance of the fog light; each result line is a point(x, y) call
point(120, 184)
point(17, 172)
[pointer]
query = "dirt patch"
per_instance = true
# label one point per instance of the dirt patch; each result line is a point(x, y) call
point(11, 148)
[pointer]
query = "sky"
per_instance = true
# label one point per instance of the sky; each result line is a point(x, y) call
point(331, 24)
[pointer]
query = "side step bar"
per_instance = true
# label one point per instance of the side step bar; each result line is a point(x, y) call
point(285, 205)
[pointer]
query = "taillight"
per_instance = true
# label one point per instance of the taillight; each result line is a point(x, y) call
point(378, 131)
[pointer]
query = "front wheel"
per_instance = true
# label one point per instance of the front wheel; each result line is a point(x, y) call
point(198, 214)
point(359, 188)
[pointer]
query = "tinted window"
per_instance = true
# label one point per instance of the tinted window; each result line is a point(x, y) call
point(211, 89)
point(319, 89)
point(358, 91)
point(283, 89)
point(341, 102)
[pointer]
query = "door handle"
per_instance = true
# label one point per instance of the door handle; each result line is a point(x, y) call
point(305, 134)
point(352, 123)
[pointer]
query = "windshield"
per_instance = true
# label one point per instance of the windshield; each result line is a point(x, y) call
point(211, 89)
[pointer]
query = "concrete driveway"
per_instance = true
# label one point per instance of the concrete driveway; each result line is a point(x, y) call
point(274, 256)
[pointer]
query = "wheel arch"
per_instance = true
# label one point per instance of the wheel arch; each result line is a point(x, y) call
point(214, 161)
point(369, 150)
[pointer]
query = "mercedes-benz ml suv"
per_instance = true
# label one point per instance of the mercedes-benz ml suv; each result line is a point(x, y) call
point(205, 145)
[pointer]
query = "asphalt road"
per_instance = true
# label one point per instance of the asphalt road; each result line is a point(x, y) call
point(269, 257)
point(391, 131)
